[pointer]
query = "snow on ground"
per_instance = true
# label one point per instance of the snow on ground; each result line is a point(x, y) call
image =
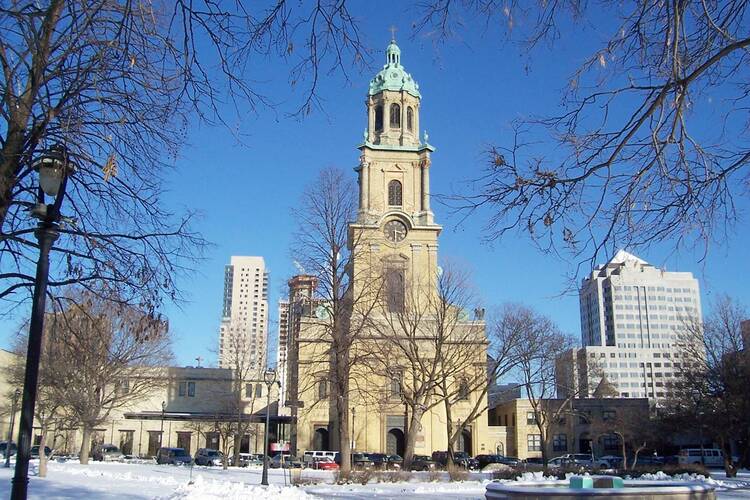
point(141, 481)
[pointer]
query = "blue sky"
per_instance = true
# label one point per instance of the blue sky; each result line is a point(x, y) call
point(472, 88)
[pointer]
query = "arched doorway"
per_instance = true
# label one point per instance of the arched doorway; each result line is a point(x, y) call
point(320, 439)
point(584, 443)
point(464, 442)
point(394, 443)
point(500, 448)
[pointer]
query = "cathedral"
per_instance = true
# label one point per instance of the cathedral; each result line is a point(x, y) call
point(414, 352)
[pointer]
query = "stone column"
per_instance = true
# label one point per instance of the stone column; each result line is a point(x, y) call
point(365, 187)
point(426, 185)
point(370, 104)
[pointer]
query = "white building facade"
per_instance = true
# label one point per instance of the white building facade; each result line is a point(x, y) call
point(244, 322)
point(632, 315)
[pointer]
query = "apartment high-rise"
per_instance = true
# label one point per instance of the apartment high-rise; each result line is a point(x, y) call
point(243, 336)
point(281, 350)
point(632, 314)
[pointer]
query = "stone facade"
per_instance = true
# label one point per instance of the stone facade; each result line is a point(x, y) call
point(578, 431)
point(395, 240)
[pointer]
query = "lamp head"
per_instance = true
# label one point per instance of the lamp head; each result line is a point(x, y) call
point(17, 393)
point(53, 166)
point(163, 405)
point(269, 376)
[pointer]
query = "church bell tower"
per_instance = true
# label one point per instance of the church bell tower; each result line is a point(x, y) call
point(394, 217)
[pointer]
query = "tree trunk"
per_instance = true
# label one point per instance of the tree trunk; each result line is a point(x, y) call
point(83, 456)
point(451, 433)
point(340, 372)
point(42, 454)
point(415, 425)
point(624, 455)
point(236, 454)
point(729, 469)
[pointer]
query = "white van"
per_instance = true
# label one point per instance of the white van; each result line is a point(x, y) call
point(712, 457)
point(309, 457)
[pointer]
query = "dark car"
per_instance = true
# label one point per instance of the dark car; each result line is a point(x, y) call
point(485, 460)
point(174, 456)
point(395, 462)
point(462, 458)
point(106, 453)
point(208, 456)
point(423, 462)
point(4, 446)
point(35, 451)
point(379, 460)
point(361, 461)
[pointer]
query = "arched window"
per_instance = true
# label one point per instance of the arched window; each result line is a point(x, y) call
point(409, 118)
point(394, 194)
point(322, 389)
point(395, 290)
point(463, 389)
point(378, 118)
point(395, 116)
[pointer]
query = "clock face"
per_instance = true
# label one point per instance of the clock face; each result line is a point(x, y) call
point(394, 230)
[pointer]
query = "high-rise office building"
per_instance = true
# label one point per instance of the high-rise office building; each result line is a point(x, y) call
point(243, 336)
point(632, 316)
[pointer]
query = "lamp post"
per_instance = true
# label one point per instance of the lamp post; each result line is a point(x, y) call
point(16, 395)
point(54, 167)
point(354, 412)
point(161, 431)
point(269, 377)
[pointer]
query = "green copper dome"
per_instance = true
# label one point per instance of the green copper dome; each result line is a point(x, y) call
point(393, 76)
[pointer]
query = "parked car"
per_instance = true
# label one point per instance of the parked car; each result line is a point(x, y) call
point(310, 456)
point(460, 458)
point(556, 463)
point(4, 445)
point(246, 459)
point(106, 453)
point(379, 460)
point(651, 460)
point(361, 461)
point(395, 462)
point(712, 457)
point(423, 462)
point(534, 461)
point(484, 460)
point(325, 463)
point(613, 461)
point(467, 462)
point(35, 451)
point(208, 456)
point(173, 456)
point(289, 461)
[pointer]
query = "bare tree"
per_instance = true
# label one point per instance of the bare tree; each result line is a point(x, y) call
point(714, 374)
point(323, 247)
point(634, 428)
point(100, 357)
point(480, 373)
point(539, 344)
point(118, 84)
point(627, 161)
point(428, 348)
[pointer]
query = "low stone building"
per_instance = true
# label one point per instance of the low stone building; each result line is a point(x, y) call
point(582, 428)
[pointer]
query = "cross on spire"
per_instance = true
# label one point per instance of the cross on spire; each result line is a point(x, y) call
point(393, 30)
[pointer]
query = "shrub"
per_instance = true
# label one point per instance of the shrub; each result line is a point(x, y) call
point(434, 476)
point(507, 473)
point(457, 474)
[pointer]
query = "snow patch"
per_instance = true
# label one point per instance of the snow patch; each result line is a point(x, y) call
point(202, 489)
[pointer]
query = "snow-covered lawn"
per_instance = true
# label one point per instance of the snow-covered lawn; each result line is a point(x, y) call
point(150, 481)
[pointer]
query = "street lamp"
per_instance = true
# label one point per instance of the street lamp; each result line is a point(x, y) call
point(269, 377)
point(16, 395)
point(354, 412)
point(54, 167)
point(161, 431)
